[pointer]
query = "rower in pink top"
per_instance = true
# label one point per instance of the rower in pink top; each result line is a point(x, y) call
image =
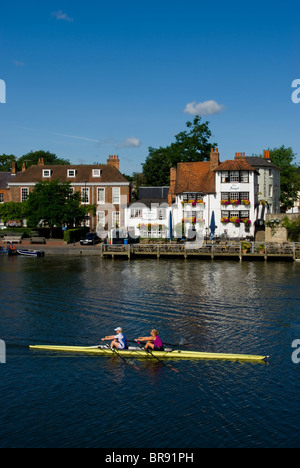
point(153, 342)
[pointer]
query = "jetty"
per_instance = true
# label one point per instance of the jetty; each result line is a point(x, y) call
point(211, 251)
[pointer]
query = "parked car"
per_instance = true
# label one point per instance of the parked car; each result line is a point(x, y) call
point(90, 239)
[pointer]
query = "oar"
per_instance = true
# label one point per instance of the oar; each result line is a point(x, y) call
point(159, 360)
point(114, 351)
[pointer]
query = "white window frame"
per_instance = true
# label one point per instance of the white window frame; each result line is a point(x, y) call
point(101, 219)
point(24, 193)
point(85, 195)
point(47, 173)
point(72, 173)
point(116, 219)
point(96, 172)
point(136, 213)
point(116, 195)
point(100, 199)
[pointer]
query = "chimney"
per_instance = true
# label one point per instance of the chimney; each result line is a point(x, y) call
point(214, 159)
point(171, 194)
point(114, 161)
point(240, 156)
point(24, 167)
point(13, 168)
point(41, 162)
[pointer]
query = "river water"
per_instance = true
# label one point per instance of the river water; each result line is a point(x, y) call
point(62, 400)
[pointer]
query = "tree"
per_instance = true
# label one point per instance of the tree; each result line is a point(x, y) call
point(32, 159)
point(55, 204)
point(290, 181)
point(6, 161)
point(12, 211)
point(190, 146)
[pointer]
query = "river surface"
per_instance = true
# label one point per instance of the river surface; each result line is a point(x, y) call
point(63, 400)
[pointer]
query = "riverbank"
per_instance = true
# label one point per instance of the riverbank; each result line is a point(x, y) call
point(210, 251)
point(59, 247)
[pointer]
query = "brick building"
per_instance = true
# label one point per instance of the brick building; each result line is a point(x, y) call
point(100, 185)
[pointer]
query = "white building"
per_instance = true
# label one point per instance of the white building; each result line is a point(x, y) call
point(268, 181)
point(203, 194)
point(149, 217)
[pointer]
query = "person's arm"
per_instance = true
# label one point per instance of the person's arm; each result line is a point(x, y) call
point(145, 338)
point(107, 338)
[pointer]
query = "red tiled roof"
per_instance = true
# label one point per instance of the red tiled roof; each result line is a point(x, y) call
point(195, 177)
point(236, 165)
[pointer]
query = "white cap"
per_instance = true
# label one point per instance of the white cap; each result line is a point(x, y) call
point(119, 329)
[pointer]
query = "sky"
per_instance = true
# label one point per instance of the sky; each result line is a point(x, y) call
point(86, 80)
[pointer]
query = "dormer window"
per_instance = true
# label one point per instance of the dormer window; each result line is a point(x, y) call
point(47, 173)
point(96, 172)
point(72, 173)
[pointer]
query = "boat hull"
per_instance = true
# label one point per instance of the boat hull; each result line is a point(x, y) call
point(31, 253)
point(136, 353)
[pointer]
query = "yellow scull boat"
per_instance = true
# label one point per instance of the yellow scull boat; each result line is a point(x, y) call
point(138, 353)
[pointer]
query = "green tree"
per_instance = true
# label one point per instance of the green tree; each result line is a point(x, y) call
point(6, 161)
point(284, 158)
point(54, 204)
point(12, 211)
point(190, 146)
point(32, 159)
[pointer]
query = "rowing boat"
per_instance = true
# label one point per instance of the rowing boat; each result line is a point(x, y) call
point(138, 353)
point(31, 253)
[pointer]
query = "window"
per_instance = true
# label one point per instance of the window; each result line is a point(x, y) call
point(100, 196)
point(225, 196)
point(24, 194)
point(245, 214)
point(192, 196)
point(245, 196)
point(96, 172)
point(270, 190)
point(116, 195)
point(225, 177)
point(235, 196)
point(161, 213)
point(47, 173)
point(85, 195)
point(234, 176)
point(245, 177)
point(1, 197)
point(116, 219)
point(136, 213)
point(101, 219)
point(72, 173)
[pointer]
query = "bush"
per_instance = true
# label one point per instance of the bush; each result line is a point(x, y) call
point(74, 235)
point(293, 229)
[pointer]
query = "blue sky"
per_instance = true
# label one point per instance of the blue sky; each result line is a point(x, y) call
point(88, 79)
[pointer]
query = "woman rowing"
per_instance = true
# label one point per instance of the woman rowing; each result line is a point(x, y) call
point(154, 342)
point(118, 341)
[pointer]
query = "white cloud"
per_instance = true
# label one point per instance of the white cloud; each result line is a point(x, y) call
point(61, 16)
point(130, 143)
point(203, 108)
